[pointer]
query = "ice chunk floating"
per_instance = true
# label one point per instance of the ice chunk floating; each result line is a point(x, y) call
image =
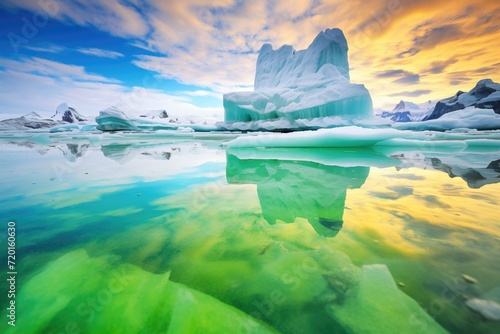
point(303, 84)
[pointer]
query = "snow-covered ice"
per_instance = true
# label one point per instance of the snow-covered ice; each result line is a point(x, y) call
point(118, 119)
point(302, 84)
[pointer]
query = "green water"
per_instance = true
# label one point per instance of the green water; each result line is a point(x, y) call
point(185, 237)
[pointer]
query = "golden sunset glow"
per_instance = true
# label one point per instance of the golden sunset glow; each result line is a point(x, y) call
point(187, 54)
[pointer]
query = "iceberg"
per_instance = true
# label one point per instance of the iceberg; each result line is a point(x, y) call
point(304, 84)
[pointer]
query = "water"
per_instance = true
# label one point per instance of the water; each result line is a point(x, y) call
point(136, 235)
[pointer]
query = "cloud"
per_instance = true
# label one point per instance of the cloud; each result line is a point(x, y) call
point(409, 79)
point(414, 93)
point(48, 48)
point(392, 73)
point(112, 16)
point(440, 66)
point(215, 44)
point(53, 69)
point(100, 53)
point(403, 77)
point(408, 53)
point(34, 78)
point(438, 35)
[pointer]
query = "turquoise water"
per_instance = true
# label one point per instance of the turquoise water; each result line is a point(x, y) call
point(182, 236)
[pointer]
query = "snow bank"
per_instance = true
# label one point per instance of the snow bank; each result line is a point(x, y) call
point(302, 84)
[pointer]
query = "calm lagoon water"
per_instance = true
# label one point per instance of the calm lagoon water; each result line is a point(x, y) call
point(182, 236)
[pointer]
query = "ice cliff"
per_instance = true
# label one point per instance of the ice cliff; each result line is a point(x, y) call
point(304, 84)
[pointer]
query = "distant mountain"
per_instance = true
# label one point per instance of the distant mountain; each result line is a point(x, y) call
point(154, 114)
point(485, 95)
point(116, 118)
point(65, 113)
point(27, 122)
point(406, 111)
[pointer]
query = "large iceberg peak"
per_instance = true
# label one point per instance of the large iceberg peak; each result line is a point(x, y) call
point(306, 84)
point(286, 67)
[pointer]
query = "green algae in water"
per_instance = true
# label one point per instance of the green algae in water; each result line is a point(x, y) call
point(94, 295)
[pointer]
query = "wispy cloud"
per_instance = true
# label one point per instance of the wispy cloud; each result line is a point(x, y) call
point(100, 53)
point(414, 93)
point(48, 48)
point(53, 69)
point(438, 35)
point(393, 73)
point(409, 79)
point(439, 66)
point(119, 18)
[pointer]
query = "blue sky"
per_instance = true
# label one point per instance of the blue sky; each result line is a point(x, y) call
point(183, 55)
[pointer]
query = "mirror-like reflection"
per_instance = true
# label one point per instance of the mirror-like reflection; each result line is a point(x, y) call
point(291, 189)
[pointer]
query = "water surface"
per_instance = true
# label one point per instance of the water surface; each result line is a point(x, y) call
point(182, 236)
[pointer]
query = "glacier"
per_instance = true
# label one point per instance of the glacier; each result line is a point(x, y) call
point(306, 84)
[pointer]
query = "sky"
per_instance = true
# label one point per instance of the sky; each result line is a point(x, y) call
point(182, 56)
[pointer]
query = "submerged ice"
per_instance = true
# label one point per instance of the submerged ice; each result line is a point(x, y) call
point(302, 84)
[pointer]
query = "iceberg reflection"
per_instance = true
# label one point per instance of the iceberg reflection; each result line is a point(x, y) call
point(291, 189)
